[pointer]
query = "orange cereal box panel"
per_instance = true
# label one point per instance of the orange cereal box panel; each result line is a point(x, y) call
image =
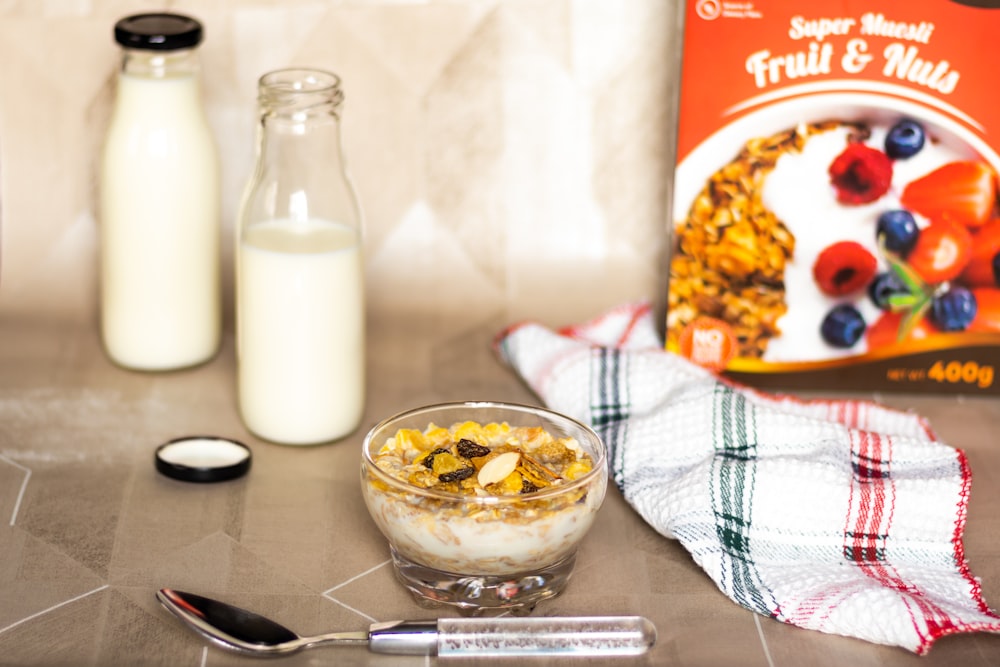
point(835, 209)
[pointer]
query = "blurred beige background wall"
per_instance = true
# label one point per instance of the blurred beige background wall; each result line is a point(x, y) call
point(513, 157)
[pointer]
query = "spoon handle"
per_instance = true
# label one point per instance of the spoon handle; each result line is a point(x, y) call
point(540, 636)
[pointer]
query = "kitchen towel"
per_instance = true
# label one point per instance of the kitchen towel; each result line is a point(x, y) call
point(837, 515)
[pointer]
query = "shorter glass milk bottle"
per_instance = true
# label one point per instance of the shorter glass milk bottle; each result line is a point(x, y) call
point(159, 203)
point(300, 311)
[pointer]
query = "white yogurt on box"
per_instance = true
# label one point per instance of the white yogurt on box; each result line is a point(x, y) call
point(799, 193)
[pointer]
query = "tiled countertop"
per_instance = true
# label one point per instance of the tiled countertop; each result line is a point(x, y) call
point(89, 530)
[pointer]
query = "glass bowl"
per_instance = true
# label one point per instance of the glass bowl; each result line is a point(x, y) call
point(470, 539)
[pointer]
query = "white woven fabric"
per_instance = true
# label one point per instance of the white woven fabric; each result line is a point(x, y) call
point(838, 516)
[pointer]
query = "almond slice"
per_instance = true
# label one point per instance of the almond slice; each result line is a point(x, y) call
point(498, 468)
point(538, 469)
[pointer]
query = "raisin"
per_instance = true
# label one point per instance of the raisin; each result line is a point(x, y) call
point(527, 486)
point(457, 475)
point(470, 450)
point(429, 459)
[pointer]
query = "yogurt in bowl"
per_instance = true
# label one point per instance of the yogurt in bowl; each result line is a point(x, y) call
point(484, 504)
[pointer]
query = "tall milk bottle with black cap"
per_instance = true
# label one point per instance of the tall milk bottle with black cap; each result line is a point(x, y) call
point(159, 203)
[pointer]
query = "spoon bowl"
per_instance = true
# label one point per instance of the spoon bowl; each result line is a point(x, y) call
point(242, 630)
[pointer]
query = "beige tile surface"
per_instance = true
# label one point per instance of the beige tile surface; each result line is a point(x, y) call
point(89, 530)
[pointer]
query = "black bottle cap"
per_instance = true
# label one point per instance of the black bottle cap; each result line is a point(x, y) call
point(158, 32)
point(203, 458)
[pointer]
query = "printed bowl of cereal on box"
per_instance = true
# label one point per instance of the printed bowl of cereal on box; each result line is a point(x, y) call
point(484, 504)
point(832, 226)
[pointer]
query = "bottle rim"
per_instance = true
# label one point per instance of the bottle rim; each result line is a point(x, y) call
point(300, 80)
point(299, 89)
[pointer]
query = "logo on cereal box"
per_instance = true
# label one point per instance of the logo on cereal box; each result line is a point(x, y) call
point(708, 342)
point(709, 9)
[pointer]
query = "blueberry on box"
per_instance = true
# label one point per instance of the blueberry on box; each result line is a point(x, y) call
point(954, 310)
point(885, 285)
point(898, 229)
point(843, 326)
point(905, 139)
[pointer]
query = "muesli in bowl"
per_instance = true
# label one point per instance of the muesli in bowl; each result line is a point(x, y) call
point(484, 504)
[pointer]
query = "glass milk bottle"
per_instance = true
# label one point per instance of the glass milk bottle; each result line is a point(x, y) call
point(299, 282)
point(159, 203)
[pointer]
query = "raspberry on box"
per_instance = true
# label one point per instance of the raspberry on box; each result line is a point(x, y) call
point(843, 268)
point(861, 174)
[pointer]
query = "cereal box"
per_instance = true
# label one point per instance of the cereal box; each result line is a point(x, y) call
point(835, 219)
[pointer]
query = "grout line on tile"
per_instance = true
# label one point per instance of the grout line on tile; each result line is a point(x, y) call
point(763, 642)
point(52, 608)
point(329, 597)
point(350, 608)
point(24, 486)
point(358, 576)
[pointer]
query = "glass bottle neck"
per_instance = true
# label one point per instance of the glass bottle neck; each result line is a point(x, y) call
point(299, 131)
point(300, 172)
point(299, 96)
point(160, 64)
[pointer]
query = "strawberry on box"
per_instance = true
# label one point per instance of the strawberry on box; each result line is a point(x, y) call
point(964, 192)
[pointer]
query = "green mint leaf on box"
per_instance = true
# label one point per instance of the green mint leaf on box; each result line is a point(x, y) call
point(918, 297)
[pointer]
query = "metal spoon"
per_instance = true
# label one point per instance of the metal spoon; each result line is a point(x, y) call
point(244, 631)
